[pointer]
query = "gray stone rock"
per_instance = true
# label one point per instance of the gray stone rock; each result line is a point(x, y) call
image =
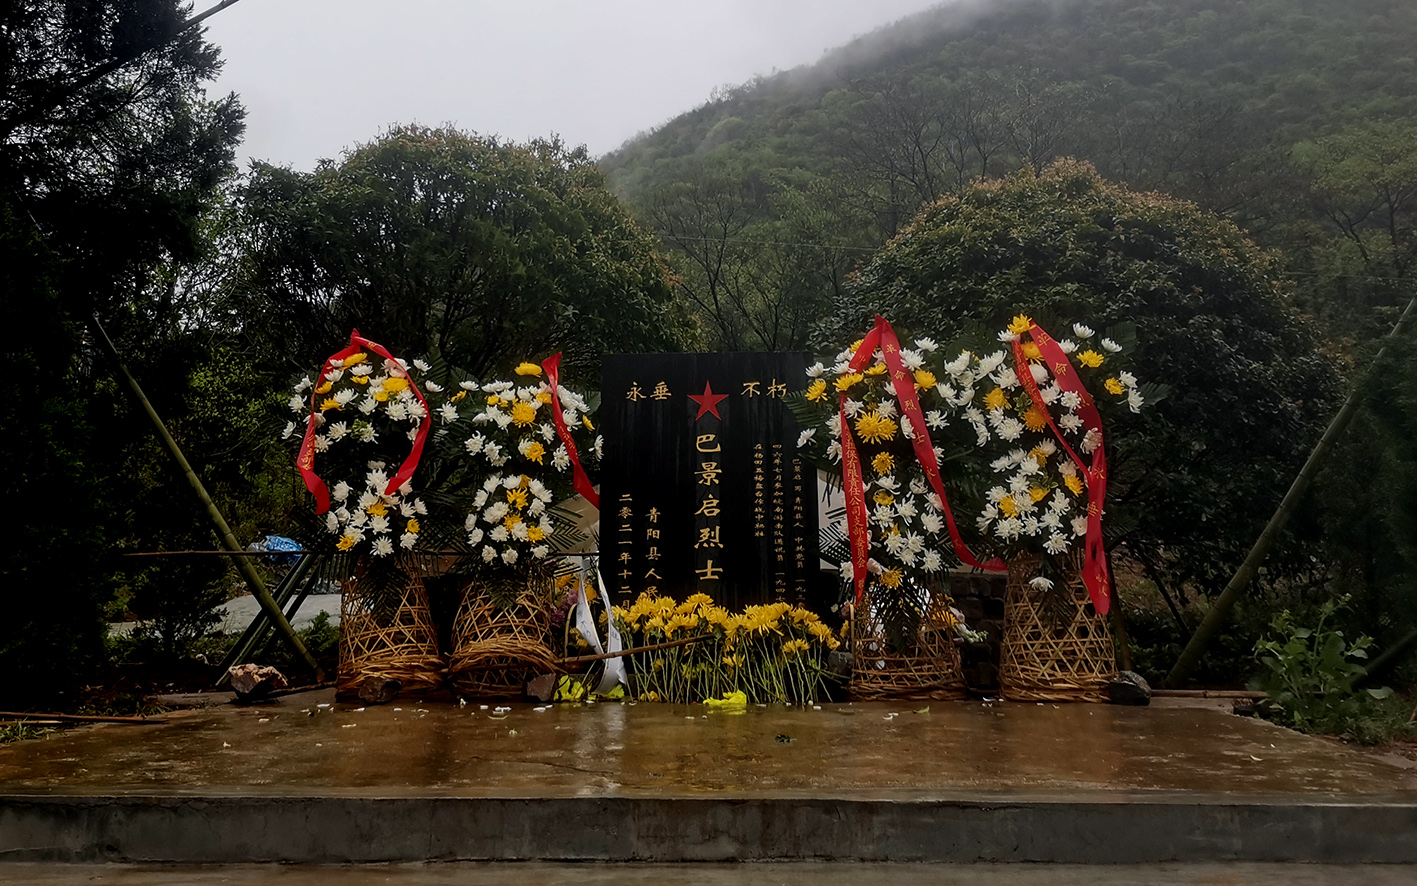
point(1130, 688)
point(379, 690)
point(251, 681)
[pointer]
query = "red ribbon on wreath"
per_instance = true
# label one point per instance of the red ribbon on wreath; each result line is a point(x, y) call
point(305, 462)
point(1055, 360)
point(582, 483)
point(882, 336)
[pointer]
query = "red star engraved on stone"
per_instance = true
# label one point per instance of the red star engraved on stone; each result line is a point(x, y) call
point(708, 402)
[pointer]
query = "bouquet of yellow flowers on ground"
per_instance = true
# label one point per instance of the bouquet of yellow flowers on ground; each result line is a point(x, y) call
point(774, 653)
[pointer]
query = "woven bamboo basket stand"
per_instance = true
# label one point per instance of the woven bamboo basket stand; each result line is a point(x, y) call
point(392, 639)
point(1071, 660)
point(497, 650)
point(930, 669)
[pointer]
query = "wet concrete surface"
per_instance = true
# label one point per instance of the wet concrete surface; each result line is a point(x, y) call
point(776, 874)
point(307, 745)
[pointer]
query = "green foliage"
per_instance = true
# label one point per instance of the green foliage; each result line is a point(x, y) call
point(1311, 671)
point(433, 240)
point(1192, 480)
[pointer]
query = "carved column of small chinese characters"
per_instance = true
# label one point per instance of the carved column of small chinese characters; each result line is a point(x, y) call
point(799, 532)
point(779, 518)
point(624, 544)
point(760, 508)
point(708, 544)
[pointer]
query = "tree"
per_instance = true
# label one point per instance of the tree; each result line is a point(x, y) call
point(99, 192)
point(1195, 478)
point(435, 239)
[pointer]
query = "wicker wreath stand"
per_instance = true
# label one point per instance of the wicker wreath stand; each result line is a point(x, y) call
point(930, 668)
point(497, 649)
point(388, 635)
point(1067, 659)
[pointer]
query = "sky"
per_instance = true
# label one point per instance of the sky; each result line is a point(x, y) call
point(319, 76)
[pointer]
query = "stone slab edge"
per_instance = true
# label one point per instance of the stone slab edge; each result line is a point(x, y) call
point(319, 830)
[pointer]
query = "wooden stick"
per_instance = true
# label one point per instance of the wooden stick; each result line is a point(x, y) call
point(587, 659)
point(75, 718)
point(1207, 693)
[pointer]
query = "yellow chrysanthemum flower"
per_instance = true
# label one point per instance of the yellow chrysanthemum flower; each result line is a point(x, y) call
point(535, 452)
point(494, 400)
point(1034, 419)
point(325, 388)
point(528, 369)
point(1074, 484)
point(585, 420)
point(534, 535)
point(874, 429)
point(458, 396)
point(884, 498)
point(378, 508)
point(395, 383)
point(1021, 324)
point(523, 413)
point(876, 369)
point(412, 526)
point(1037, 494)
point(1008, 507)
point(1090, 358)
point(511, 521)
point(359, 379)
point(817, 390)
point(381, 396)
point(883, 463)
point(516, 498)
point(1113, 386)
point(328, 404)
point(996, 399)
point(846, 381)
point(345, 542)
point(544, 397)
point(924, 378)
point(1039, 456)
point(1031, 351)
point(355, 359)
point(891, 578)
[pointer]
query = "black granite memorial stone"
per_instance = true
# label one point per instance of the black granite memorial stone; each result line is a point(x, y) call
point(702, 489)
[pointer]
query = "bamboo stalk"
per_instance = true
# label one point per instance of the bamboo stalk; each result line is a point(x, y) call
point(228, 539)
point(1210, 625)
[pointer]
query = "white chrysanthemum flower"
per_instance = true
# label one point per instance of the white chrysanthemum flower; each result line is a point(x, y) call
point(379, 523)
point(888, 483)
point(412, 434)
point(834, 425)
point(599, 446)
point(912, 359)
point(1082, 331)
point(408, 540)
point(1008, 337)
point(358, 518)
point(296, 403)
point(1070, 422)
point(336, 364)
point(546, 528)
point(1008, 529)
point(1039, 373)
point(1010, 429)
point(853, 408)
point(474, 537)
point(289, 430)
point(502, 420)
point(475, 443)
point(489, 553)
point(511, 482)
point(492, 484)
point(895, 543)
point(421, 366)
point(1006, 378)
point(334, 374)
point(1127, 379)
point(344, 397)
point(569, 417)
point(816, 370)
point(926, 344)
point(883, 515)
point(499, 533)
point(383, 547)
point(495, 512)
point(548, 431)
point(931, 523)
point(834, 450)
point(519, 531)
point(1091, 441)
point(1018, 484)
point(939, 455)
point(907, 430)
point(540, 551)
point(806, 437)
point(368, 405)
point(931, 561)
point(907, 557)
point(470, 521)
point(355, 533)
point(1030, 526)
point(361, 370)
point(997, 494)
point(1068, 346)
point(396, 410)
point(416, 412)
point(1071, 400)
point(917, 486)
point(1040, 584)
point(1051, 519)
point(523, 446)
point(536, 508)
point(493, 453)
point(906, 509)
point(845, 571)
point(1056, 544)
point(468, 385)
point(332, 521)
point(1003, 463)
point(886, 408)
point(509, 556)
point(935, 420)
point(303, 384)
point(1111, 346)
point(341, 492)
point(322, 443)
point(843, 366)
point(561, 459)
point(377, 479)
point(1079, 525)
point(337, 430)
point(1134, 400)
point(448, 412)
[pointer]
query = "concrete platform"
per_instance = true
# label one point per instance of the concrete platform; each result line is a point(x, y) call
point(293, 781)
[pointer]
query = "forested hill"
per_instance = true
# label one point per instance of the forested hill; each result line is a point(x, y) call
point(1099, 78)
point(1296, 118)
